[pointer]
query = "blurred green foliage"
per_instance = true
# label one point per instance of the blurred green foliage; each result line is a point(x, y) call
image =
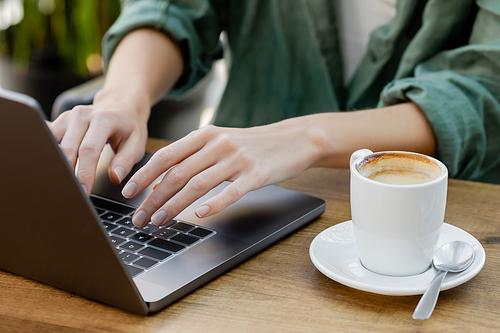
point(57, 33)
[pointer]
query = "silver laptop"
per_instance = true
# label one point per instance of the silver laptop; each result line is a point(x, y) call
point(53, 233)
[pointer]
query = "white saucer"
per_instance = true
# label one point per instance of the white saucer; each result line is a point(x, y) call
point(334, 253)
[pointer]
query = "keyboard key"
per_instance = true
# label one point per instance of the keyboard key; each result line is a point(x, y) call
point(164, 233)
point(182, 226)
point(126, 222)
point(116, 240)
point(109, 226)
point(184, 239)
point(201, 232)
point(141, 237)
point(112, 206)
point(111, 217)
point(128, 257)
point(154, 253)
point(166, 245)
point(99, 211)
point(149, 228)
point(133, 270)
point(124, 232)
point(145, 262)
point(131, 246)
point(169, 224)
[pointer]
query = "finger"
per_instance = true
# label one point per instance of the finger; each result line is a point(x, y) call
point(172, 205)
point(58, 127)
point(179, 175)
point(89, 152)
point(129, 152)
point(232, 193)
point(163, 160)
point(77, 127)
point(172, 182)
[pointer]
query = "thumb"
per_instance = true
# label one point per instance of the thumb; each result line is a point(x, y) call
point(128, 154)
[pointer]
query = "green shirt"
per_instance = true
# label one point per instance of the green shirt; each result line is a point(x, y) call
point(443, 55)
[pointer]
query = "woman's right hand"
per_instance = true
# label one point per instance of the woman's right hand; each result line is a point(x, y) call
point(119, 119)
point(145, 65)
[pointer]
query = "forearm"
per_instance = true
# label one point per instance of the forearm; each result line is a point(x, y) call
point(145, 65)
point(335, 136)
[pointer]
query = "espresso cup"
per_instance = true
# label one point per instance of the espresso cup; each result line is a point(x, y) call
point(398, 201)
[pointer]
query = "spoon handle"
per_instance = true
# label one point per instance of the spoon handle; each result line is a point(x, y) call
point(429, 299)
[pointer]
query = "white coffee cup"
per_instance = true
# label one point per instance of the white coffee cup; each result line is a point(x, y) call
point(397, 226)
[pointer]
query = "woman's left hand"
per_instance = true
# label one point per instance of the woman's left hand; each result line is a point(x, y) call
point(255, 157)
point(250, 158)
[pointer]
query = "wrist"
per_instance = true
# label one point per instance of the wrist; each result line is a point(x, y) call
point(331, 138)
point(136, 99)
point(313, 138)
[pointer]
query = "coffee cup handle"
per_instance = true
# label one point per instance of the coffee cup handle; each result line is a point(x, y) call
point(359, 154)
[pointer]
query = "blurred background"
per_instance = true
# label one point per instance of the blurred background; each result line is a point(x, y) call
point(49, 46)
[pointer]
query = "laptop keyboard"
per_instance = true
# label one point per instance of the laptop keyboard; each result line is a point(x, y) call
point(141, 249)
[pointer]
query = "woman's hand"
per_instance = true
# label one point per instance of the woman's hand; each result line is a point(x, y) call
point(249, 158)
point(145, 65)
point(254, 157)
point(83, 132)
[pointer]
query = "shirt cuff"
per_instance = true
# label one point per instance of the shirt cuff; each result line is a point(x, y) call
point(451, 102)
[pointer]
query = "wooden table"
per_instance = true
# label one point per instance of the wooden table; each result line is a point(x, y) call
point(280, 289)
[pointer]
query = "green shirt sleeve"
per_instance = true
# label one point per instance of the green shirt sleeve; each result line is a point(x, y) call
point(192, 24)
point(459, 91)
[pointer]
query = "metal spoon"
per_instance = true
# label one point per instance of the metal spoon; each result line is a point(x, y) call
point(451, 257)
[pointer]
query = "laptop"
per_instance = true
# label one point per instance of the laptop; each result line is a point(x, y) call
point(53, 233)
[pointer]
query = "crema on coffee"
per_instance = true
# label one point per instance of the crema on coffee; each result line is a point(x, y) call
point(399, 168)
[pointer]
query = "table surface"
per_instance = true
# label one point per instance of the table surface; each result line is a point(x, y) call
point(279, 289)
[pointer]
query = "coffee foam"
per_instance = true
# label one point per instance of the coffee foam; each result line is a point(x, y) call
point(399, 168)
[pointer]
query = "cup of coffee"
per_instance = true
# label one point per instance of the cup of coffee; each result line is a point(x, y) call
point(398, 201)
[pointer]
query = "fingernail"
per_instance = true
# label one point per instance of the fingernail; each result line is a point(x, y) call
point(202, 211)
point(139, 218)
point(120, 173)
point(129, 190)
point(159, 217)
